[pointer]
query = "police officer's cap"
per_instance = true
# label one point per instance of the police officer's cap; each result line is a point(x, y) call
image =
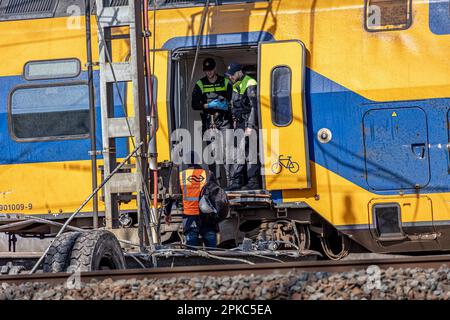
point(209, 64)
point(232, 69)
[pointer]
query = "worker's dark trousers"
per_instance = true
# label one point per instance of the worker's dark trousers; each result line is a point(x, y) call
point(252, 170)
point(193, 228)
point(214, 167)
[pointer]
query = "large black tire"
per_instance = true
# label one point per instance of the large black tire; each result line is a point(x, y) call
point(58, 257)
point(96, 250)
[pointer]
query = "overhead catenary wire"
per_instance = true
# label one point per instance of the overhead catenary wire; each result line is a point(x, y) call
point(200, 38)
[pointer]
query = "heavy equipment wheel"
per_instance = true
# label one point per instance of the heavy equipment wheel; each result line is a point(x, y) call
point(96, 250)
point(58, 257)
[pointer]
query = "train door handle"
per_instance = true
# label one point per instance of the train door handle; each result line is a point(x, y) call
point(419, 150)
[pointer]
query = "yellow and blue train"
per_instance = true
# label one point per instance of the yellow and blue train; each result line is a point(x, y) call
point(354, 92)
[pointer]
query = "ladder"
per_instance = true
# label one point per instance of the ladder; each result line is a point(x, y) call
point(112, 14)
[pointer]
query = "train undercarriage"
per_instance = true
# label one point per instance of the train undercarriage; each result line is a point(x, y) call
point(256, 229)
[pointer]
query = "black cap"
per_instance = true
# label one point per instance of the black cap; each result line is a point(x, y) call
point(232, 69)
point(209, 64)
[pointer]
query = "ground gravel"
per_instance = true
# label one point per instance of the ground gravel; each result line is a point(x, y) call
point(370, 283)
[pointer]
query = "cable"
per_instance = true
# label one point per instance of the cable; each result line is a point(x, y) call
point(330, 254)
point(199, 41)
point(202, 253)
point(136, 259)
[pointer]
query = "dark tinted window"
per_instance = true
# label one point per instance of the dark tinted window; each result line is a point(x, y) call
point(27, 9)
point(281, 96)
point(50, 112)
point(388, 219)
point(168, 3)
point(186, 3)
point(383, 15)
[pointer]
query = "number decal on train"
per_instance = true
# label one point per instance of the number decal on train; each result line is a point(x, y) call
point(16, 206)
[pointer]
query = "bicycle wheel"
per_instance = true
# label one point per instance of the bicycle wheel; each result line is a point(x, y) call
point(294, 167)
point(276, 168)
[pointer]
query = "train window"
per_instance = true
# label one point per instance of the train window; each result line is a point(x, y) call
point(187, 3)
point(281, 104)
point(49, 112)
point(52, 69)
point(387, 219)
point(27, 9)
point(384, 15)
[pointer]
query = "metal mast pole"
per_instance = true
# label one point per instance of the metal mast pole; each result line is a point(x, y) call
point(91, 110)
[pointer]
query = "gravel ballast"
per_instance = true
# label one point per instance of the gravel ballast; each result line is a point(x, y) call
point(370, 283)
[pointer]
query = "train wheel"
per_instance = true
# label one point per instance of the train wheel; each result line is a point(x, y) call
point(58, 257)
point(304, 237)
point(96, 250)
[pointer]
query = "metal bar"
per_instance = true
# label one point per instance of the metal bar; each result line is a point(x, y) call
point(53, 223)
point(91, 111)
point(17, 224)
point(137, 69)
point(32, 220)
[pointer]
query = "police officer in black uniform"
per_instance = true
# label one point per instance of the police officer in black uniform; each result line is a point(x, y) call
point(212, 95)
point(244, 113)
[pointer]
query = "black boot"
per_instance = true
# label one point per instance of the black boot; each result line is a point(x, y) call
point(252, 184)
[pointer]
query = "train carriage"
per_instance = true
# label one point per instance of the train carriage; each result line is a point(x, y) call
point(353, 96)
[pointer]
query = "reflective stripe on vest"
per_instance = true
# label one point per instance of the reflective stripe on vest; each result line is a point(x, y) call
point(208, 88)
point(192, 182)
point(242, 86)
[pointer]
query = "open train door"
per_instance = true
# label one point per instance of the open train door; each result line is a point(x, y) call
point(283, 140)
point(161, 70)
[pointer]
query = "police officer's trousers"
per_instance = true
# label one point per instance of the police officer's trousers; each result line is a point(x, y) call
point(251, 166)
point(215, 167)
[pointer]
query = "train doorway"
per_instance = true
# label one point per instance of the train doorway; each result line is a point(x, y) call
point(183, 114)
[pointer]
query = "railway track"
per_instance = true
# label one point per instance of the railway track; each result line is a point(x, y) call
point(425, 262)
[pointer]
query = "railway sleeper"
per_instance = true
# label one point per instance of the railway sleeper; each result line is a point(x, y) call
point(11, 269)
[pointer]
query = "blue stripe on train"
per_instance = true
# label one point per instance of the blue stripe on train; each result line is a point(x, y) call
point(329, 105)
point(332, 106)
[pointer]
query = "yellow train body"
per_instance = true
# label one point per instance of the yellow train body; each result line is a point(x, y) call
point(347, 78)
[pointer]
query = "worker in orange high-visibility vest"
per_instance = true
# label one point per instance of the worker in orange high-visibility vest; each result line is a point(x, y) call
point(193, 178)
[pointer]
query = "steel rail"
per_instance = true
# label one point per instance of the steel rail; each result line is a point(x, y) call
point(425, 262)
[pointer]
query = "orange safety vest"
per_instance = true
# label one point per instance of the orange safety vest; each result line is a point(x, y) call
point(192, 182)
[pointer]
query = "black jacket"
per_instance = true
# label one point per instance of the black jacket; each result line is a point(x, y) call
point(205, 92)
point(245, 101)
